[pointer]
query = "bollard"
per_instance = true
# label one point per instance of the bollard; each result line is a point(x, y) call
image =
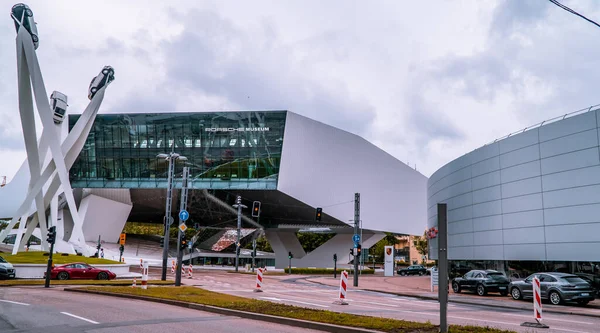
point(173, 267)
point(145, 276)
point(343, 287)
point(259, 280)
point(134, 283)
point(190, 271)
point(537, 306)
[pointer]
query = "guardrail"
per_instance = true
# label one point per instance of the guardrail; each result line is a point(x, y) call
point(548, 121)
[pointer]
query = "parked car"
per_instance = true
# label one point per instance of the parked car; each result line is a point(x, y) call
point(413, 270)
point(58, 103)
point(482, 282)
point(7, 271)
point(593, 280)
point(23, 16)
point(80, 270)
point(556, 287)
point(106, 76)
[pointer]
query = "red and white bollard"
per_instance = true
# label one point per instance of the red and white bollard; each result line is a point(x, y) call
point(343, 288)
point(173, 267)
point(537, 300)
point(145, 276)
point(141, 264)
point(182, 269)
point(134, 283)
point(259, 280)
point(190, 271)
point(537, 306)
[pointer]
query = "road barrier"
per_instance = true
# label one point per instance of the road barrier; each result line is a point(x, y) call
point(190, 271)
point(173, 267)
point(134, 282)
point(343, 287)
point(259, 280)
point(145, 276)
point(537, 306)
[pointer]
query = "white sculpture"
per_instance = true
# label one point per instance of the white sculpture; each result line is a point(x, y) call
point(49, 161)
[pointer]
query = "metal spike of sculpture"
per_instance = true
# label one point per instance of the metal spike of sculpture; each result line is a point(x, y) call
point(49, 161)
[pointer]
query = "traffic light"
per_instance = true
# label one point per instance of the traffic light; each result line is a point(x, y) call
point(256, 208)
point(121, 248)
point(358, 250)
point(351, 251)
point(290, 255)
point(254, 253)
point(237, 250)
point(335, 257)
point(51, 235)
point(319, 213)
point(184, 243)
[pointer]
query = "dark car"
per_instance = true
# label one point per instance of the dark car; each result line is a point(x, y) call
point(482, 282)
point(592, 279)
point(413, 270)
point(556, 287)
point(106, 76)
point(7, 271)
point(23, 16)
point(80, 270)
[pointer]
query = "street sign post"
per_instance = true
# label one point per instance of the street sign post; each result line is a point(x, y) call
point(184, 215)
point(183, 227)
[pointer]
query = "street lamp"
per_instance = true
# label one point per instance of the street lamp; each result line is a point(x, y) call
point(171, 157)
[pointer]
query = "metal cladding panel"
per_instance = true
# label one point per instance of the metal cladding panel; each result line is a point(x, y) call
point(535, 195)
point(323, 166)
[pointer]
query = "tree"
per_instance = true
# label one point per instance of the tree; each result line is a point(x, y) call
point(421, 243)
point(311, 241)
point(379, 247)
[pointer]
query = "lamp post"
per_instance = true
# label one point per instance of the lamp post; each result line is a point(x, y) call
point(171, 157)
point(239, 206)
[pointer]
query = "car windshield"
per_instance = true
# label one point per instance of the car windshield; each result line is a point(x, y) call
point(574, 279)
point(2, 260)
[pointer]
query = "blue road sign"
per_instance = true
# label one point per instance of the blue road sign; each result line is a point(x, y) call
point(356, 238)
point(184, 215)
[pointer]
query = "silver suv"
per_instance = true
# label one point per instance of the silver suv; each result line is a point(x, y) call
point(556, 287)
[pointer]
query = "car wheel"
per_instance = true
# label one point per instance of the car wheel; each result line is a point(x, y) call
point(516, 293)
point(481, 290)
point(582, 302)
point(555, 298)
point(63, 276)
point(421, 273)
point(455, 287)
point(102, 276)
point(403, 273)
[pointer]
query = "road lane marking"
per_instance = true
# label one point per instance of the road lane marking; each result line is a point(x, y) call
point(85, 319)
point(546, 317)
point(13, 302)
point(293, 301)
point(484, 320)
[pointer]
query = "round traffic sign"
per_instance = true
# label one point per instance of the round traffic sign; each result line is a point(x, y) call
point(356, 238)
point(184, 215)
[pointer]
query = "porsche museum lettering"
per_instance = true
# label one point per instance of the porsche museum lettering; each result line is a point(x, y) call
point(240, 129)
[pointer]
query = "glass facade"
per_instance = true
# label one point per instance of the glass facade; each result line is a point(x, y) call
point(224, 150)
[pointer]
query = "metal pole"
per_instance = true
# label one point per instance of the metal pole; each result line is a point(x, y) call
point(443, 261)
point(356, 222)
point(167, 218)
point(182, 206)
point(253, 254)
point(239, 206)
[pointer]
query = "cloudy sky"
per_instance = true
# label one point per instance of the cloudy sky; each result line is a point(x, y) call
point(427, 81)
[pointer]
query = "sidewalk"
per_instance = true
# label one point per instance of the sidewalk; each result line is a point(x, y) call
point(419, 286)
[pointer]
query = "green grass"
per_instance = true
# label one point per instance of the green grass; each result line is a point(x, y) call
point(37, 257)
point(201, 296)
point(39, 282)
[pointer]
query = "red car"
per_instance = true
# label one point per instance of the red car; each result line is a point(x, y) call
point(80, 270)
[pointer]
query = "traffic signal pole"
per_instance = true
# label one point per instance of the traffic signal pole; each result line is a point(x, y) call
point(356, 222)
point(51, 240)
point(182, 207)
point(239, 206)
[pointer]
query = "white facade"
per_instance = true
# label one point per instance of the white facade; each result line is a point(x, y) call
point(531, 196)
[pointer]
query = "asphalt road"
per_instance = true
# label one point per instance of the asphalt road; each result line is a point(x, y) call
point(299, 292)
point(36, 309)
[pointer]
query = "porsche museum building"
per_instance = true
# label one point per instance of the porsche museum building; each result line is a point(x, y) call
point(290, 163)
point(527, 202)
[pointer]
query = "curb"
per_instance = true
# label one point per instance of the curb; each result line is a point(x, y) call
point(471, 303)
point(237, 313)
